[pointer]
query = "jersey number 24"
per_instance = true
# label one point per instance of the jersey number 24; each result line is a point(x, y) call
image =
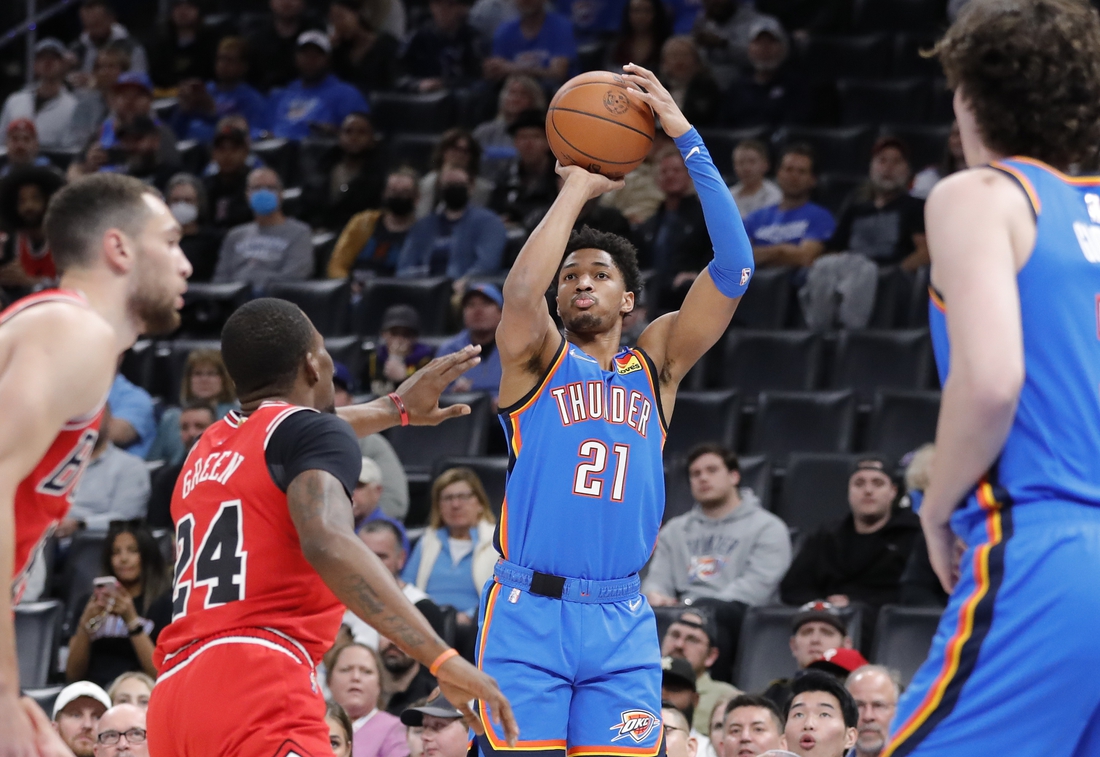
point(220, 563)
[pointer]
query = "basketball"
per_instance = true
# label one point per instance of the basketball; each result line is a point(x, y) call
point(596, 122)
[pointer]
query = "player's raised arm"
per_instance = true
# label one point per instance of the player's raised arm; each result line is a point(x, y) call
point(676, 341)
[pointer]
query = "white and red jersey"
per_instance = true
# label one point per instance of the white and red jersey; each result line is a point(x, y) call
point(43, 498)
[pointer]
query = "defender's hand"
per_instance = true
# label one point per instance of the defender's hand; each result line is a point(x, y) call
point(460, 682)
point(647, 88)
point(420, 392)
point(594, 183)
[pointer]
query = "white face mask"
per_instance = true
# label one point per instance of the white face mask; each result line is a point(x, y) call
point(184, 212)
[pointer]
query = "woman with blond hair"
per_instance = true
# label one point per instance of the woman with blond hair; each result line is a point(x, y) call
point(205, 378)
point(133, 688)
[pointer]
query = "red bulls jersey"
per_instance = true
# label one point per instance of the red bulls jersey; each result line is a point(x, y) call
point(42, 499)
point(239, 564)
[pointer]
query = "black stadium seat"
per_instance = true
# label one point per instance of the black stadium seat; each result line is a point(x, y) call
point(834, 189)
point(870, 360)
point(815, 491)
point(903, 636)
point(44, 697)
point(834, 57)
point(493, 472)
point(36, 630)
point(349, 351)
point(766, 303)
point(137, 363)
point(83, 565)
point(926, 16)
point(413, 150)
point(327, 302)
point(418, 447)
point(169, 363)
point(207, 306)
point(431, 298)
point(431, 113)
point(869, 101)
point(926, 142)
point(756, 473)
point(789, 422)
point(892, 297)
point(281, 155)
point(908, 60)
point(720, 144)
point(757, 361)
point(703, 417)
point(843, 149)
point(902, 421)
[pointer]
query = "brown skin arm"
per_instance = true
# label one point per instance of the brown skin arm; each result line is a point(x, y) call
point(321, 512)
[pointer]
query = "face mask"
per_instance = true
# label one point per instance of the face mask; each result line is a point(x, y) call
point(455, 196)
point(184, 212)
point(264, 202)
point(399, 205)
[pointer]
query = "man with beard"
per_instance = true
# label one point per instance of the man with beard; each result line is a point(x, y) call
point(116, 246)
point(772, 94)
point(404, 680)
point(26, 258)
point(347, 179)
point(76, 715)
point(875, 692)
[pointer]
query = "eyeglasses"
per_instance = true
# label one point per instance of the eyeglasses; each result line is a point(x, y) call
point(464, 497)
point(133, 736)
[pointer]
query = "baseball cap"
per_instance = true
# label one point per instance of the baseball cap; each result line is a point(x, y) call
point(341, 377)
point(438, 707)
point(485, 290)
point(317, 38)
point(527, 119)
point(401, 317)
point(134, 79)
point(75, 691)
point(50, 44)
point(770, 25)
point(370, 473)
point(889, 140)
point(871, 461)
point(840, 661)
point(22, 124)
point(699, 618)
point(820, 611)
point(677, 671)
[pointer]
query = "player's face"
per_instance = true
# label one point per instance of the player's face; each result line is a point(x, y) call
point(355, 683)
point(126, 559)
point(384, 545)
point(76, 725)
point(591, 294)
point(444, 737)
point(711, 481)
point(132, 691)
point(870, 494)
point(159, 275)
point(337, 739)
point(795, 176)
point(752, 731)
point(815, 726)
point(812, 639)
point(877, 700)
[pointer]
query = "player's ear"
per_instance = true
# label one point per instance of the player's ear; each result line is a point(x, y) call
point(628, 303)
point(118, 251)
point(312, 366)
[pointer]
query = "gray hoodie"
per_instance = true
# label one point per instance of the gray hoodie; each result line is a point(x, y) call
point(740, 558)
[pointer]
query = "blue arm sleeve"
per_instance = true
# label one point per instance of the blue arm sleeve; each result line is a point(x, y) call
point(733, 264)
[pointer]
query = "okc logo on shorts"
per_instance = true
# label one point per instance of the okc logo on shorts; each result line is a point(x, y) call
point(637, 724)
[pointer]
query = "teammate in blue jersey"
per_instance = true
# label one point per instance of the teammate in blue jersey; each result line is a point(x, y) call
point(1015, 320)
point(564, 628)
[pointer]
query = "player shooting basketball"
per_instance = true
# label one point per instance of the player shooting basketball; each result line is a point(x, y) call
point(564, 629)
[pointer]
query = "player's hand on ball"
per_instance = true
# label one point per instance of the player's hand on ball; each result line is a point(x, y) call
point(420, 392)
point(596, 184)
point(647, 87)
point(460, 682)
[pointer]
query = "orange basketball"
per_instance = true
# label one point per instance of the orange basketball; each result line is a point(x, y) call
point(594, 121)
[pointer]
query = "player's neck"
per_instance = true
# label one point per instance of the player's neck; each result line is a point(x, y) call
point(106, 294)
point(300, 396)
point(602, 346)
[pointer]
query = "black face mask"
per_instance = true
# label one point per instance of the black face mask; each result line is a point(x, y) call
point(399, 205)
point(455, 196)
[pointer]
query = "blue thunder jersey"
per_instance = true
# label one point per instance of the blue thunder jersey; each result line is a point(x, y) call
point(586, 490)
point(1051, 453)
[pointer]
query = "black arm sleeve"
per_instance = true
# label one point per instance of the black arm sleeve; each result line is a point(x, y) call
point(313, 441)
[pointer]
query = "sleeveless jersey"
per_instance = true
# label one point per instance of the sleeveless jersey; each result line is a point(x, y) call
point(239, 564)
point(1051, 450)
point(585, 490)
point(43, 498)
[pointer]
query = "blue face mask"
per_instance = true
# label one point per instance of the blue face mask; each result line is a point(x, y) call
point(264, 202)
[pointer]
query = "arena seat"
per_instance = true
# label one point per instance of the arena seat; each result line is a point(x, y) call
point(493, 472)
point(908, 60)
point(137, 363)
point(815, 491)
point(418, 447)
point(827, 57)
point(720, 144)
point(431, 297)
point(834, 189)
point(169, 362)
point(868, 101)
point(413, 113)
point(901, 421)
point(703, 417)
point(327, 302)
point(413, 150)
point(867, 361)
point(767, 302)
point(194, 155)
point(926, 142)
point(842, 149)
point(756, 474)
point(37, 625)
point(892, 296)
point(788, 422)
point(903, 636)
point(756, 361)
point(83, 565)
point(349, 351)
point(927, 16)
point(207, 306)
point(281, 155)
point(44, 697)
point(918, 299)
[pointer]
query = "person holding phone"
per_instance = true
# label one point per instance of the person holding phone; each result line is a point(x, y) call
point(128, 607)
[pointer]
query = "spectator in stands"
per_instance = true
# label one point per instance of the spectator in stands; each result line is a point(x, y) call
point(227, 187)
point(861, 558)
point(21, 144)
point(441, 727)
point(200, 242)
point(119, 626)
point(640, 196)
point(753, 726)
point(821, 718)
point(443, 53)
point(205, 379)
point(400, 353)
point(121, 731)
point(815, 629)
point(356, 685)
point(455, 557)
point(115, 486)
point(371, 242)
point(884, 229)
point(716, 731)
point(518, 95)
point(458, 241)
point(317, 102)
point(685, 75)
point(133, 424)
point(527, 182)
point(273, 44)
point(191, 420)
point(594, 21)
point(674, 242)
point(231, 94)
point(642, 33)
point(131, 98)
point(794, 231)
point(93, 102)
point(772, 94)
point(340, 729)
point(183, 49)
point(678, 739)
point(271, 248)
point(481, 308)
point(25, 258)
point(539, 44)
point(693, 635)
point(366, 497)
point(138, 153)
point(753, 190)
point(76, 713)
point(48, 103)
point(875, 691)
point(100, 29)
point(362, 54)
point(350, 177)
point(953, 160)
point(415, 735)
point(133, 687)
point(678, 689)
point(457, 148)
point(404, 680)
point(722, 32)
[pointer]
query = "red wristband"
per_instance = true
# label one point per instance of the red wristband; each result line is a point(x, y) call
point(435, 666)
point(400, 407)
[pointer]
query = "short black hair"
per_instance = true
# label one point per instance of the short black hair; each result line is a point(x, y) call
point(80, 213)
point(264, 343)
point(623, 254)
point(805, 149)
point(197, 404)
point(816, 680)
point(756, 700)
point(729, 457)
point(383, 526)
